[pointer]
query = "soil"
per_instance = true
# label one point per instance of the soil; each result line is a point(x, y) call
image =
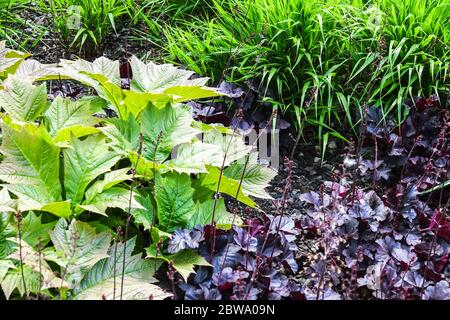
point(308, 173)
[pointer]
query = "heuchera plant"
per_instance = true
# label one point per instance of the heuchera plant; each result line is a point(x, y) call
point(248, 263)
point(133, 155)
point(392, 242)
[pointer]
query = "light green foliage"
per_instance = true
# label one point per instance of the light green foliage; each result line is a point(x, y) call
point(31, 165)
point(77, 248)
point(103, 281)
point(204, 215)
point(22, 100)
point(61, 161)
point(165, 128)
point(183, 261)
point(151, 83)
point(255, 177)
point(65, 117)
point(84, 162)
point(174, 201)
point(9, 60)
point(84, 24)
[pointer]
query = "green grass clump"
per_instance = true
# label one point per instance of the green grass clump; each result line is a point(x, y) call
point(355, 53)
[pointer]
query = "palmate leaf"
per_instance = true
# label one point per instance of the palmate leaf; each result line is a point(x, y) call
point(183, 261)
point(84, 162)
point(9, 60)
point(79, 70)
point(255, 179)
point(204, 213)
point(232, 145)
point(112, 198)
point(31, 165)
point(14, 280)
point(170, 80)
point(227, 185)
point(65, 117)
point(104, 280)
point(77, 247)
point(165, 128)
point(174, 201)
point(5, 266)
point(34, 232)
point(22, 100)
point(193, 158)
point(36, 263)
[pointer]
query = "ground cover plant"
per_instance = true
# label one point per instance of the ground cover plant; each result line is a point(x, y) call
point(312, 164)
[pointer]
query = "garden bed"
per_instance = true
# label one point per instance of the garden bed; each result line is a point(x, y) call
point(125, 178)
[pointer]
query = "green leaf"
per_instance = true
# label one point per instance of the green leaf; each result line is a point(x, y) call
point(32, 70)
point(110, 180)
point(77, 248)
point(36, 262)
point(136, 102)
point(123, 133)
point(84, 162)
point(66, 117)
point(104, 279)
point(255, 179)
point(31, 165)
point(5, 265)
point(112, 198)
point(10, 60)
point(60, 209)
point(193, 158)
point(233, 146)
point(187, 93)
point(127, 102)
point(183, 261)
point(6, 203)
point(34, 231)
point(144, 168)
point(14, 280)
point(7, 231)
point(227, 185)
point(79, 70)
point(204, 213)
point(165, 128)
point(174, 201)
point(78, 131)
point(150, 77)
point(144, 216)
point(22, 100)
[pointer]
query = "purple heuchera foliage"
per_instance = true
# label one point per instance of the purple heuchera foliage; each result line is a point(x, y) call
point(391, 242)
point(387, 241)
point(265, 250)
point(185, 239)
point(440, 291)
